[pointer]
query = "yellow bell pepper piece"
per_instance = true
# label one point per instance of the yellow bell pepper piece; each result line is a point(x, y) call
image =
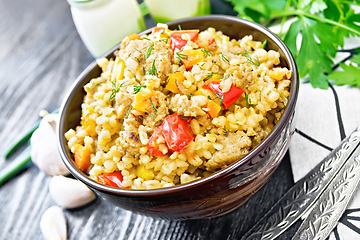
point(145, 101)
point(173, 80)
point(193, 57)
point(146, 174)
point(214, 108)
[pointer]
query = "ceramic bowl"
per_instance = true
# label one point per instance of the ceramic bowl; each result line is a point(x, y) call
point(219, 193)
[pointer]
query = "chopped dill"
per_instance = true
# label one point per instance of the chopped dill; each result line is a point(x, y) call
point(149, 50)
point(144, 71)
point(129, 55)
point(179, 27)
point(150, 114)
point(180, 56)
point(96, 84)
point(128, 112)
point(146, 38)
point(138, 50)
point(184, 118)
point(248, 101)
point(153, 106)
point(202, 64)
point(264, 44)
point(125, 84)
point(224, 58)
point(225, 130)
point(114, 89)
point(190, 95)
point(165, 40)
point(220, 96)
point(206, 52)
point(153, 70)
point(138, 88)
point(137, 59)
point(254, 61)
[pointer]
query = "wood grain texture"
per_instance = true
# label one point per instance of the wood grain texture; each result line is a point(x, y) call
point(41, 54)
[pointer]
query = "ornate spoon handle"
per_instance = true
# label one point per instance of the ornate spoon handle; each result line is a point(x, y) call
point(331, 205)
point(306, 192)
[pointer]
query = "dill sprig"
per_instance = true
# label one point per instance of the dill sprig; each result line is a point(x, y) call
point(138, 50)
point(184, 118)
point(224, 58)
point(149, 50)
point(147, 38)
point(150, 114)
point(114, 90)
point(138, 88)
point(225, 130)
point(254, 61)
point(153, 106)
point(206, 52)
point(153, 70)
point(179, 27)
point(96, 84)
point(125, 84)
point(248, 101)
point(180, 56)
point(128, 112)
point(137, 59)
point(165, 40)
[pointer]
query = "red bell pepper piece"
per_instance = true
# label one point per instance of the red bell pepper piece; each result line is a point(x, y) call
point(176, 42)
point(153, 147)
point(113, 179)
point(211, 41)
point(227, 98)
point(177, 132)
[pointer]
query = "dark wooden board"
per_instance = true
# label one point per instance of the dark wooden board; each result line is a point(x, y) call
point(41, 54)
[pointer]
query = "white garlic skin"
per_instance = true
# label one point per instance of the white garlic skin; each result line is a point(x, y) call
point(53, 224)
point(70, 193)
point(44, 152)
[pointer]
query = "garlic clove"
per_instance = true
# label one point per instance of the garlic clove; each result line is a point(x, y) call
point(70, 193)
point(53, 224)
point(44, 152)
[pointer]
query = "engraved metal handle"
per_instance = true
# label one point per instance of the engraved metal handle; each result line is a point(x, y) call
point(311, 190)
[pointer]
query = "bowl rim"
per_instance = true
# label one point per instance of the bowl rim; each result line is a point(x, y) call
point(196, 183)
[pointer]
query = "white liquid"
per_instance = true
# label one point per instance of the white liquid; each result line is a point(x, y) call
point(102, 24)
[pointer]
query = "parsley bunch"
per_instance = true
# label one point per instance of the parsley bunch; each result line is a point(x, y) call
point(323, 25)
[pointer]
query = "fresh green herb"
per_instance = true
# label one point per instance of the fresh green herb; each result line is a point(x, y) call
point(350, 73)
point(165, 40)
point(129, 55)
point(220, 96)
point(179, 27)
point(206, 52)
point(153, 105)
point(96, 84)
point(210, 75)
point(125, 84)
point(153, 70)
point(225, 130)
point(146, 38)
point(138, 88)
point(227, 77)
point(184, 118)
point(248, 101)
point(114, 90)
point(190, 95)
point(202, 64)
point(138, 50)
point(264, 44)
point(224, 58)
point(180, 56)
point(149, 50)
point(144, 71)
point(254, 61)
point(137, 59)
point(128, 112)
point(322, 24)
point(150, 114)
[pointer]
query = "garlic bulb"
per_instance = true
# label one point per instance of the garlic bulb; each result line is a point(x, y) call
point(53, 224)
point(44, 152)
point(70, 193)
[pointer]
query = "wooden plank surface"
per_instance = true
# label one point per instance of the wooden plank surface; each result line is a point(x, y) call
point(41, 54)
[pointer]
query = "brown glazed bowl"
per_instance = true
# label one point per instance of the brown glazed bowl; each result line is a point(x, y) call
point(219, 193)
